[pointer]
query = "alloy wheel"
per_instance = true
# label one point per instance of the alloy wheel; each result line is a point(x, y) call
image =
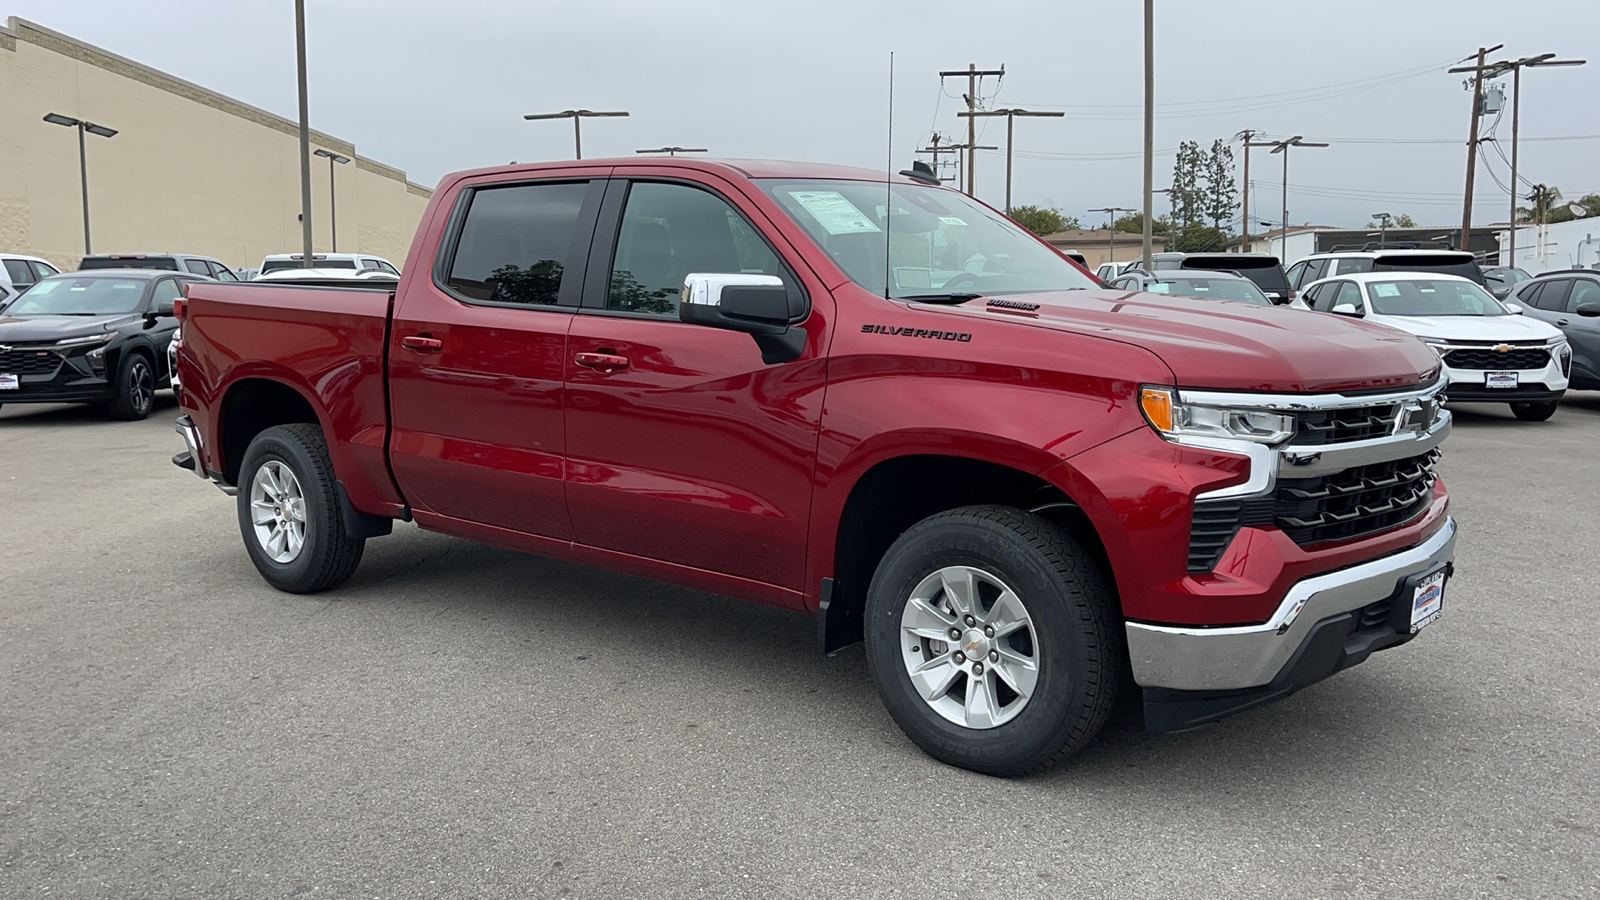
point(970, 647)
point(278, 511)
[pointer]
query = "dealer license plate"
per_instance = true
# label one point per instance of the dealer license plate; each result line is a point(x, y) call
point(8, 383)
point(1500, 379)
point(1427, 601)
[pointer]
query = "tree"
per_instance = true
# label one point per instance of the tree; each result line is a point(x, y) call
point(1198, 237)
point(1044, 219)
point(1186, 195)
point(1133, 223)
point(1221, 191)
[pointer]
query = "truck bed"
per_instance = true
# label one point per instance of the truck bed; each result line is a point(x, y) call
point(327, 342)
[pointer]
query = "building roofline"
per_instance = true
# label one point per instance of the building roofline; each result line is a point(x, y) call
point(19, 29)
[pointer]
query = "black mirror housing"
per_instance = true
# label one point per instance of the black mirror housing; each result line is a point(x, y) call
point(1589, 310)
point(758, 305)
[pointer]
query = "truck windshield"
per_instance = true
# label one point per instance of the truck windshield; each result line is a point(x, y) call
point(934, 243)
point(74, 296)
point(1432, 298)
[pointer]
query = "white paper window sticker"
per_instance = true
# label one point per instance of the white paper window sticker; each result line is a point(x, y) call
point(952, 220)
point(836, 214)
point(1157, 287)
point(1386, 290)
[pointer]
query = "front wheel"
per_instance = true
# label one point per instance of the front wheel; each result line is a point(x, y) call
point(991, 635)
point(134, 393)
point(289, 512)
point(1534, 412)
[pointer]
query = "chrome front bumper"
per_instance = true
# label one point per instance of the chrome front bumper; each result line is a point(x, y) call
point(1220, 659)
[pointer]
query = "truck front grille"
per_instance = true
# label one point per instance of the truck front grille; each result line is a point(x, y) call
point(1356, 502)
point(1319, 427)
point(1488, 358)
point(28, 361)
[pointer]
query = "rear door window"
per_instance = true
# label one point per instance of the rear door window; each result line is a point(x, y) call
point(516, 244)
point(1553, 296)
point(20, 272)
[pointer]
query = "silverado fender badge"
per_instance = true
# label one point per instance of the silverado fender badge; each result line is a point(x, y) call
point(961, 336)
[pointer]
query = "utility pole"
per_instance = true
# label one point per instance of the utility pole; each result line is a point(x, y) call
point(1283, 147)
point(1011, 116)
point(305, 133)
point(576, 115)
point(1515, 67)
point(1476, 85)
point(936, 150)
point(972, 73)
point(1244, 213)
point(1149, 129)
point(956, 149)
point(1111, 228)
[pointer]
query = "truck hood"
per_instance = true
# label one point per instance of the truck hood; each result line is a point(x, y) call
point(1227, 345)
point(40, 329)
point(1489, 329)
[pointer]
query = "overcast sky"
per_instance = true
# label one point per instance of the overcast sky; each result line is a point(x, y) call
point(436, 87)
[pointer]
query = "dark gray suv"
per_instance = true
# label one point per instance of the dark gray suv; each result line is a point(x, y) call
point(1569, 300)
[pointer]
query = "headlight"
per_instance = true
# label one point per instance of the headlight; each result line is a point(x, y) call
point(1167, 413)
point(86, 341)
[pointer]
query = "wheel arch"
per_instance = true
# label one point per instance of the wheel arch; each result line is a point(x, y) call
point(249, 406)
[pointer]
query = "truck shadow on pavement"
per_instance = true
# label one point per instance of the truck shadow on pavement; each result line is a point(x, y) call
point(770, 655)
point(57, 415)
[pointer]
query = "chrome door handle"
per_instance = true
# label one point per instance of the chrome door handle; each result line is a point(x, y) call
point(603, 362)
point(421, 343)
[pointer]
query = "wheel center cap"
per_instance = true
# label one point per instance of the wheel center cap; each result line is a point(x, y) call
point(974, 644)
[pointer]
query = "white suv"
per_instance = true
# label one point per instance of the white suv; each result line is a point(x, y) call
point(18, 273)
point(1318, 266)
point(1490, 354)
point(358, 261)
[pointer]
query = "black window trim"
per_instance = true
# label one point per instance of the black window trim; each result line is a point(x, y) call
point(567, 299)
point(602, 253)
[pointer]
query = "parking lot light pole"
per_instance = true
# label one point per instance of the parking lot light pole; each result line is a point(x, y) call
point(305, 131)
point(1283, 147)
point(1383, 226)
point(673, 151)
point(1111, 229)
point(577, 116)
point(83, 160)
point(333, 208)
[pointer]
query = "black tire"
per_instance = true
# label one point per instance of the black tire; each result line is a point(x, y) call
point(1079, 651)
point(1534, 412)
point(328, 555)
point(133, 394)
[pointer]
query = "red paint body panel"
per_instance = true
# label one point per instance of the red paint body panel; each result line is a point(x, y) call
point(327, 344)
point(699, 464)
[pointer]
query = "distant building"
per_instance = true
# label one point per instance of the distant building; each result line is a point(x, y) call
point(1305, 240)
point(1099, 245)
point(1564, 245)
point(189, 170)
point(1301, 242)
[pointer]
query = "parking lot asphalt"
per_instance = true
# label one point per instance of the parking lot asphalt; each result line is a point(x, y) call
point(462, 721)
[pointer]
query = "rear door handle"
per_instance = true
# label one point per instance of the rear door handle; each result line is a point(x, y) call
point(421, 343)
point(602, 362)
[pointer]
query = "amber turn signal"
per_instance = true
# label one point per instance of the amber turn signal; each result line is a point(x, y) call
point(1157, 406)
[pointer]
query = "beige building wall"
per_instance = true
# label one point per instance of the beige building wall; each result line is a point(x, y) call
point(190, 171)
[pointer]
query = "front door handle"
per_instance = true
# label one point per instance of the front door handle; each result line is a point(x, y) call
point(603, 362)
point(421, 343)
point(1562, 322)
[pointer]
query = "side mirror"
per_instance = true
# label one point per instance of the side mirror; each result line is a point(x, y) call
point(758, 305)
point(1347, 309)
point(1519, 309)
point(1588, 310)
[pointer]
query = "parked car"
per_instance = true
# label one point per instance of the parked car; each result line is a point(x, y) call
point(1489, 353)
point(1016, 476)
point(91, 337)
point(1195, 283)
point(247, 274)
point(1262, 268)
point(1110, 270)
point(1318, 266)
point(1570, 301)
point(326, 274)
point(279, 261)
point(204, 266)
point(1500, 280)
point(18, 273)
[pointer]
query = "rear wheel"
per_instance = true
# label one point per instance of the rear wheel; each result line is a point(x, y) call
point(289, 512)
point(134, 393)
point(1534, 412)
point(991, 636)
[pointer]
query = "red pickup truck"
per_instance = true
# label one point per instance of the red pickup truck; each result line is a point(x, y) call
point(865, 397)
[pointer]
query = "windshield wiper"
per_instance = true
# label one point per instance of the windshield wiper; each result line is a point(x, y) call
point(952, 298)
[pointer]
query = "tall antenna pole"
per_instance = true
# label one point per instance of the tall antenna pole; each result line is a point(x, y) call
point(888, 190)
point(1149, 129)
